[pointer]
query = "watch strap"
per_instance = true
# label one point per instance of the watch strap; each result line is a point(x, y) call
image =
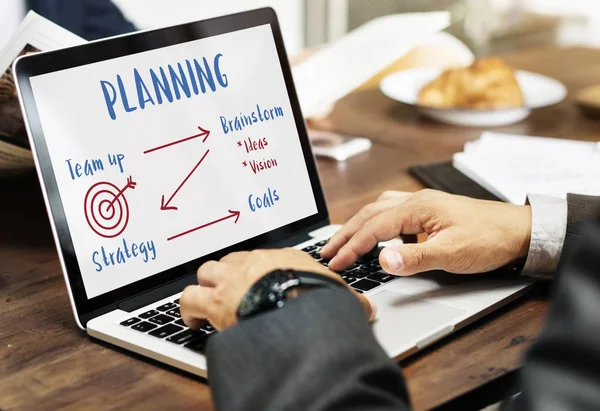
point(274, 288)
point(315, 280)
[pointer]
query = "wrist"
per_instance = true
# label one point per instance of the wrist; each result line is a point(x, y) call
point(277, 287)
point(524, 227)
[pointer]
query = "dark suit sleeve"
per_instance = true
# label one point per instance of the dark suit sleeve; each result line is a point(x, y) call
point(581, 209)
point(90, 19)
point(317, 353)
point(562, 370)
point(103, 19)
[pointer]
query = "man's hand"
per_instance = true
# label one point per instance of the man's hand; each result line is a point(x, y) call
point(464, 235)
point(223, 284)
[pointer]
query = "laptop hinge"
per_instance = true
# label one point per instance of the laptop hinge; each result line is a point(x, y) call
point(297, 238)
point(156, 294)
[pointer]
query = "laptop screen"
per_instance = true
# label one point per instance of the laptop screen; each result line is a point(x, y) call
point(163, 156)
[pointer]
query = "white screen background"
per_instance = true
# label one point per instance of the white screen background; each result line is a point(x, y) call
point(77, 126)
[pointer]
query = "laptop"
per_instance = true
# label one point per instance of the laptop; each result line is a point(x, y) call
point(160, 150)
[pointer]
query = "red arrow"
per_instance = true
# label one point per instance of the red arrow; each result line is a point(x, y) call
point(232, 214)
point(203, 133)
point(166, 206)
point(130, 184)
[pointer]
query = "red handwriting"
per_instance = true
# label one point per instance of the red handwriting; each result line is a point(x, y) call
point(254, 145)
point(106, 209)
point(232, 214)
point(167, 206)
point(262, 165)
point(203, 133)
point(130, 185)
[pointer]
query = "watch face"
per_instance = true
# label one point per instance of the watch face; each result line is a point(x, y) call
point(254, 301)
point(253, 298)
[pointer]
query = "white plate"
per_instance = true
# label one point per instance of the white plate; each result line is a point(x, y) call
point(538, 91)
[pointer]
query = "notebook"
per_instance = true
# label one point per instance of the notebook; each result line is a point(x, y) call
point(512, 166)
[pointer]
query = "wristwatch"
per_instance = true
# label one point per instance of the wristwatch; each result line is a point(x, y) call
point(271, 291)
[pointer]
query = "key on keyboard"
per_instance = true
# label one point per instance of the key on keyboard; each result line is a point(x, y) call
point(348, 280)
point(309, 249)
point(165, 331)
point(352, 267)
point(144, 326)
point(148, 314)
point(166, 307)
point(358, 273)
point(186, 336)
point(365, 285)
point(373, 266)
point(199, 344)
point(207, 326)
point(131, 321)
point(161, 319)
point(381, 277)
point(174, 313)
point(316, 255)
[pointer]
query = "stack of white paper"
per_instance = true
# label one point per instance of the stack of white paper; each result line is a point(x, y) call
point(513, 166)
point(342, 66)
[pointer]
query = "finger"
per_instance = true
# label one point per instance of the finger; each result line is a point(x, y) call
point(237, 257)
point(344, 234)
point(383, 227)
point(196, 305)
point(410, 259)
point(391, 194)
point(212, 272)
point(369, 306)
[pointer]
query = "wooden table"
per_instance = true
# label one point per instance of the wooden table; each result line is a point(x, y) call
point(47, 363)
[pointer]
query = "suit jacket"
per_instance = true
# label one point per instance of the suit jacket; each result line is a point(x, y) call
point(318, 353)
point(580, 210)
point(90, 19)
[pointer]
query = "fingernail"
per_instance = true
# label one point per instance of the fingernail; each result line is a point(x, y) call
point(332, 261)
point(373, 309)
point(394, 259)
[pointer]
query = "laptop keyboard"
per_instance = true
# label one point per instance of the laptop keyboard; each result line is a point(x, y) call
point(164, 321)
point(362, 276)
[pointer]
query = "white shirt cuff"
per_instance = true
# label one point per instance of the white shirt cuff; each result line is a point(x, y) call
point(548, 231)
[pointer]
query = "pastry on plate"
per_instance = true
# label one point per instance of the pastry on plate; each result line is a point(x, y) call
point(488, 83)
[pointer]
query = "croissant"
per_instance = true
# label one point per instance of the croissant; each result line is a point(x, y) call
point(488, 83)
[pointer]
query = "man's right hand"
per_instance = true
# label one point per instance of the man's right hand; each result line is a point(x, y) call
point(464, 235)
point(222, 284)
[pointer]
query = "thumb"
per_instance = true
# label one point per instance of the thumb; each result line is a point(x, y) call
point(410, 259)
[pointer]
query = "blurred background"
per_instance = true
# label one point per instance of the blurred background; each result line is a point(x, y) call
point(486, 26)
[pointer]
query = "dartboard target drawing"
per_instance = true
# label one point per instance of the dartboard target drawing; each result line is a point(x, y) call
point(106, 208)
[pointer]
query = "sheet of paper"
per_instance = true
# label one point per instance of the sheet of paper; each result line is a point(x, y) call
point(34, 34)
point(39, 33)
point(344, 65)
point(513, 166)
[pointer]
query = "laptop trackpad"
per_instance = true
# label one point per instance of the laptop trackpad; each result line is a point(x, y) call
point(405, 320)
